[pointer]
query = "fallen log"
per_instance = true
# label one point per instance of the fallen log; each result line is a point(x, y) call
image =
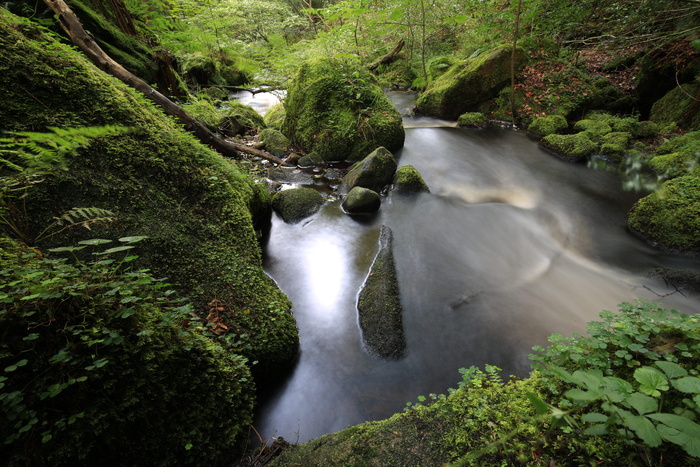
point(388, 58)
point(77, 34)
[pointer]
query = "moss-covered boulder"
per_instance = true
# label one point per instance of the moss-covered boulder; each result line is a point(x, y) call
point(375, 172)
point(472, 120)
point(379, 304)
point(335, 110)
point(571, 148)
point(198, 209)
point(274, 117)
point(670, 217)
point(464, 86)
point(548, 125)
point(595, 129)
point(361, 201)
point(113, 376)
point(678, 156)
point(680, 106)
point(237, 119)
point(296, 204)
point(408, 180)
point(275, 142)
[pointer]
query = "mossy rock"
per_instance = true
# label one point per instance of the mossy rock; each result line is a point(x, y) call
point(375, 172)
point(676, 164)
point(361, 201)
point(296, 204)
point(596, 129)
point(472, 120)
point(238, 119)
point(133, 390)
point(230, 75)
point(548, 125)
point(379, 304)
point(274, 117)
point(647, 129)
point(613, 151)
point(571, 148)
point(198, 69)
point(438, 66)
point(408, 180)
point(275, 142)
point(198, 209)
point(619, 138)
point(464, 86)
point(216, 93)
point(680, 106)
point(336, 111)
point(670, 217)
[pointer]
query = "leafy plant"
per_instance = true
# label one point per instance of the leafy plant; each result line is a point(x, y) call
point(661, 405)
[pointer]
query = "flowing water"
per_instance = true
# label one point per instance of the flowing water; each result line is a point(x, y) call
point(510, 246)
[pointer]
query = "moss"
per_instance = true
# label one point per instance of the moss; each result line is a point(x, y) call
point(647, 129)
point(619, 138)
point(274, 117)
point(548, 125)
point(450, 428)
point(337, 112)
point(615, 151)
point(275, 142)
point(571, 148)
point(197, 208)
point(379, 304)
point(595, 129)
point(464, 86)
point(437, 66)
point(237, 119)
point(361, 201)
point(670, 217)
point(375, 172)
point(125, 391)
point(472, 120)
point(408, 180)
point(680, 105)
point(296, 204)
point(678, 156)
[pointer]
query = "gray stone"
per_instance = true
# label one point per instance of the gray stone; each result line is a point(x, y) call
point(295, 204)
point(375, 172)
point(361, 201)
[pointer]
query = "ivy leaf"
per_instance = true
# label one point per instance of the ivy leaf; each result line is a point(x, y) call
point(651, 381)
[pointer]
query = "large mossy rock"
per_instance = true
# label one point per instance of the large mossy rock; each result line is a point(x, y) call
point(361, 201)
point(571, 148)
point(296, 204)
point(463, 87)
point(375, 172)
point(547, 125)
point(337, 112)
point(680, 106)
point(125, 390)
point(408, 180)
point(379, 304)
point(670, 217)
point(198, 209)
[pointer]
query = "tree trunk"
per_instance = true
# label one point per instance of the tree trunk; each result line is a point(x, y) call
point(388, 58)
point(71, 25)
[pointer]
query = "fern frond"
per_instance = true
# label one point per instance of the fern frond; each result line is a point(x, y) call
point(83, 217)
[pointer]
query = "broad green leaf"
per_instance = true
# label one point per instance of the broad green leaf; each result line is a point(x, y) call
point(643, 404)
point(594, 417)
point(115, 249)
point(689, 384)
point(133, 239)
point(540, 406)
point(617, 389)
point(672, 370)
point(596, 430)
point(62, 249)
point(651, 381)
point(95, 241)
point(646, 430)
point(581, 395)
point(682, 424)
point(690, 444)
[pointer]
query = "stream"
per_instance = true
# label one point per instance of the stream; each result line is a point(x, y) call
point(511, 245)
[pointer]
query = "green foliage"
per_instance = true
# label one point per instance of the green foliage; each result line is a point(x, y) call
point(571, 148)
point(96, 355)
point(548, 125)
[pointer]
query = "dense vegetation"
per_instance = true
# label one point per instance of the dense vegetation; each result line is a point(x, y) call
point(102, 358)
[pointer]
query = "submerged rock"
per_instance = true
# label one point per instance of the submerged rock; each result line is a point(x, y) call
point(375, 172)
point(379, 304)
point(296, 204)
point(361, 201)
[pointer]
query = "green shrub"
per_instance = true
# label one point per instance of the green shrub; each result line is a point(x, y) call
point(102, 364)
